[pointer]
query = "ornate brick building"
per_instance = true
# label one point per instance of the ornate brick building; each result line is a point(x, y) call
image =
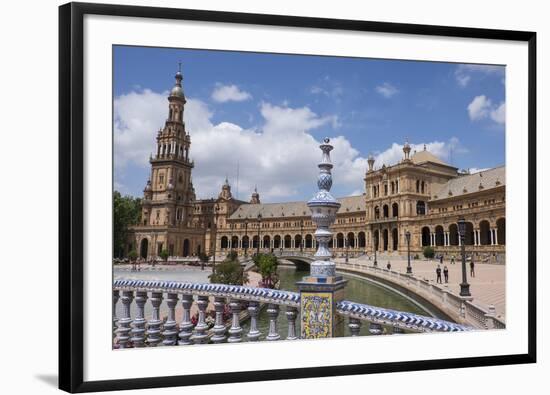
point(420, 194)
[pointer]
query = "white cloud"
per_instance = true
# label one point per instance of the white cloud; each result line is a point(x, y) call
point(277, 155)
point(465, 72)
point(225, 93)
point(138, 115)
point(387, 90)
point(499, 114)
point(479, 108)
point(482, 107)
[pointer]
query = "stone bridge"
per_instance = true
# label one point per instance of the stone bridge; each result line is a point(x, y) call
point(302, 260)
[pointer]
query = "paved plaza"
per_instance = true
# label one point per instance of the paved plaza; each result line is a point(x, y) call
point(487, 287)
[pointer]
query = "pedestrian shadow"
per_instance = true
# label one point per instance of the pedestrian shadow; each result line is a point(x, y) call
point(50, 379)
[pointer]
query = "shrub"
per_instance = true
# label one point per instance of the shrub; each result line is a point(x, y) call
point(429, 252)
point(164, 254)
point(229, 272)
point(267, 267)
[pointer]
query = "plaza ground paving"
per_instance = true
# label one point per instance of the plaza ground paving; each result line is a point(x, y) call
point(487, 287)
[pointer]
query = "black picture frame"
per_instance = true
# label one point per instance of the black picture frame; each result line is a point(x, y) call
point(71, 203)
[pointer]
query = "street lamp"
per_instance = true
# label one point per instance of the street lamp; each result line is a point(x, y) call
point(464, 286)
point(347, 249)
point(408, 237)
point(231, 226)
point(246, 236)
point(377, 240)
point(301, 235)
point(216, 211)
point(259, 226)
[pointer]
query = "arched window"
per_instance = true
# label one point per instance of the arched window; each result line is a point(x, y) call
point(417, 186)
point(394, 239)
point(422, 187)
point(224, 242)
point(420, 208)
point(143, 248)
point(385, 239)
point(484, 233)
point(309, 241)
point(288, 241)
point(340, 240)
point(386, 211)
point(377, 212)
point(298, 241)
point(351, 240)
point(425, 236)
point(395, 210)
point(186, 247)
point(453, 235)
point(361, 239)
point(439, 236)
point(501, 231)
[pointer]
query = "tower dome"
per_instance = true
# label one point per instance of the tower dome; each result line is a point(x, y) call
point(255, 198)
point(177, 90)
point(226, 191)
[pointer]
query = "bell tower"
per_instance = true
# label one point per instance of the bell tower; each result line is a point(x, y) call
point(169, 195)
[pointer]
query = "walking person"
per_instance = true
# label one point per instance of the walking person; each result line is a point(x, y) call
point(438, 274)
point(388, 265)
point(441, 259)
point(472, 268)
point(452, 260)
point(446, 274)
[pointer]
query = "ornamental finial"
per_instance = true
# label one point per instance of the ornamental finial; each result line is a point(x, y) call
point(323, 208)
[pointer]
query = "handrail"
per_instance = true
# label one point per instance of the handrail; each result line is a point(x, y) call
point(397, 318)
point(355, 310)
point(265, 295)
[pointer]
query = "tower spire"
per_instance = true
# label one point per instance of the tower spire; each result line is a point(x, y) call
point(406, 149)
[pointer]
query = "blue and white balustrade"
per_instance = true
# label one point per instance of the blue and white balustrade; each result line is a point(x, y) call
point(243, 303)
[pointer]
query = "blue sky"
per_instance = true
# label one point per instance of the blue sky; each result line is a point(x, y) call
point(264, 113)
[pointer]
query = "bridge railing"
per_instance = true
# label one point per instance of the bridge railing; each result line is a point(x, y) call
point(286, 253)
point(242, 302)
point(459, 309)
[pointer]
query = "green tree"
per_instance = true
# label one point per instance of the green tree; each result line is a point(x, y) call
point(164, 254)
point(126, 212)
point(229, 272)
point(267, 267)
point(428, 252)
